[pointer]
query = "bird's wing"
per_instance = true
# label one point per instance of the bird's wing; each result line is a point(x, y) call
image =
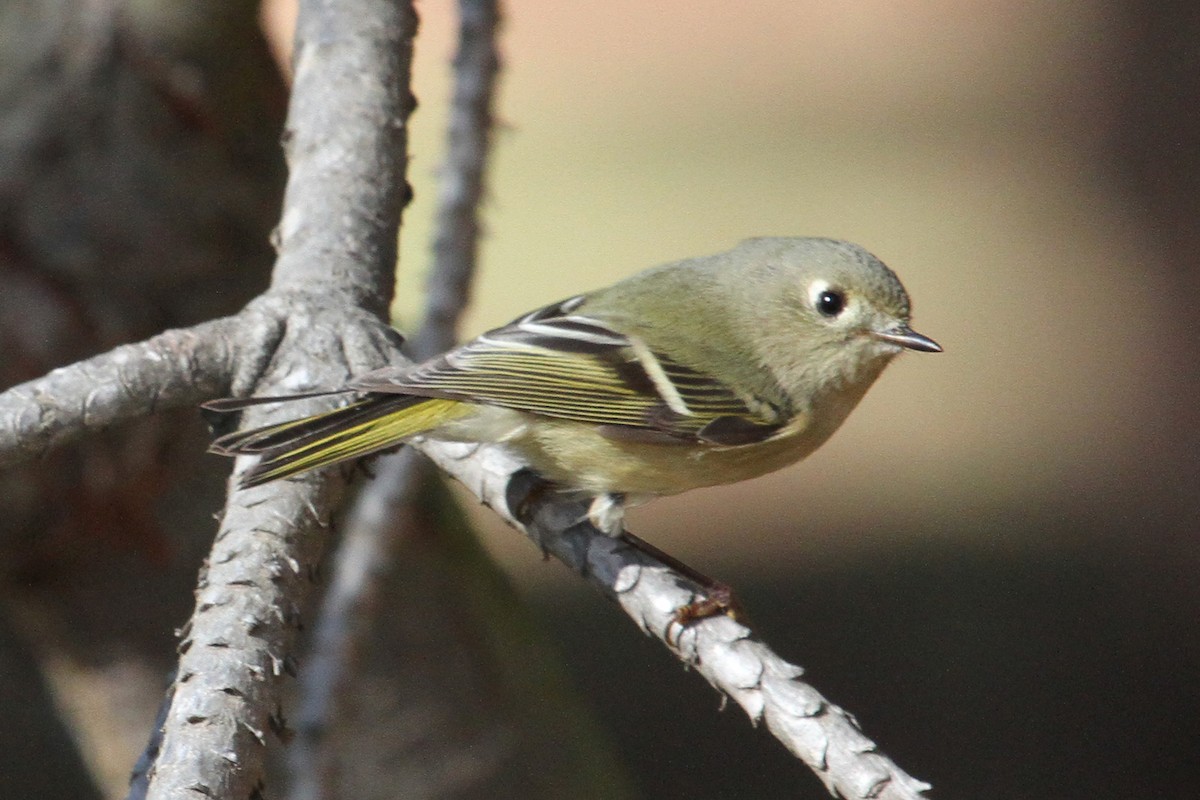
point(566, 365)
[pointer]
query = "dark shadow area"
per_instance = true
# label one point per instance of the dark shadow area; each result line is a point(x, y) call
point(1022, 675)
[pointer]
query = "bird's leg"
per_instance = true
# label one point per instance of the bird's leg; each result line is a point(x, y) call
point(527, 490)
point(607, 513)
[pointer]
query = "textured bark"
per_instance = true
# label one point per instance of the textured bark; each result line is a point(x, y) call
point(346, 144)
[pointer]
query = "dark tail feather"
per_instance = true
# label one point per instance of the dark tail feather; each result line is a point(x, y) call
point(226, 404)
point(221, 417)
point(376, 422)
point(298, 432)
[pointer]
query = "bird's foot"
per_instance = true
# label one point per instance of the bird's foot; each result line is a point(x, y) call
point(717, 597)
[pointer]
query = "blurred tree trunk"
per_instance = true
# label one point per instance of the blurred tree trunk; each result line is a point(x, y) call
point(1157, 137)
point(142, 175)
point(1156, 152)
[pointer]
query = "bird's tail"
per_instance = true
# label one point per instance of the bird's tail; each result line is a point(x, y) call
point(373, 423)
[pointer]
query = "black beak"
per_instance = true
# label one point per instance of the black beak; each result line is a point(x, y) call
point(907, 337)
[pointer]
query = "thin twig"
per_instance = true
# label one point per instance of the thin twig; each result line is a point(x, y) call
point(461, 186)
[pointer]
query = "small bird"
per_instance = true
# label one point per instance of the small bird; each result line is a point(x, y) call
point(703, 371)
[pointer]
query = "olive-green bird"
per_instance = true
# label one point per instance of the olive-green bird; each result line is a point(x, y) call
point(703, 371)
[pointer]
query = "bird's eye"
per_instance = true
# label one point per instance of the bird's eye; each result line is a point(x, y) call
point(830, 302)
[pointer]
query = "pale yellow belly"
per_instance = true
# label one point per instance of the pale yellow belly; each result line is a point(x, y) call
point(578, 455)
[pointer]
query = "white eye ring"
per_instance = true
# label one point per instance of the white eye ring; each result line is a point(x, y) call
point(828, 300)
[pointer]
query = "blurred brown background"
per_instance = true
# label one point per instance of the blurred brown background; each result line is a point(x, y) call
point(992, 564)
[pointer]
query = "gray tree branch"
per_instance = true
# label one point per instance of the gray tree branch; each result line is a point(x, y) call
point(346, 147)
point(172, 370)
point(237, 645)
point(375, 524)
point(725, 652)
